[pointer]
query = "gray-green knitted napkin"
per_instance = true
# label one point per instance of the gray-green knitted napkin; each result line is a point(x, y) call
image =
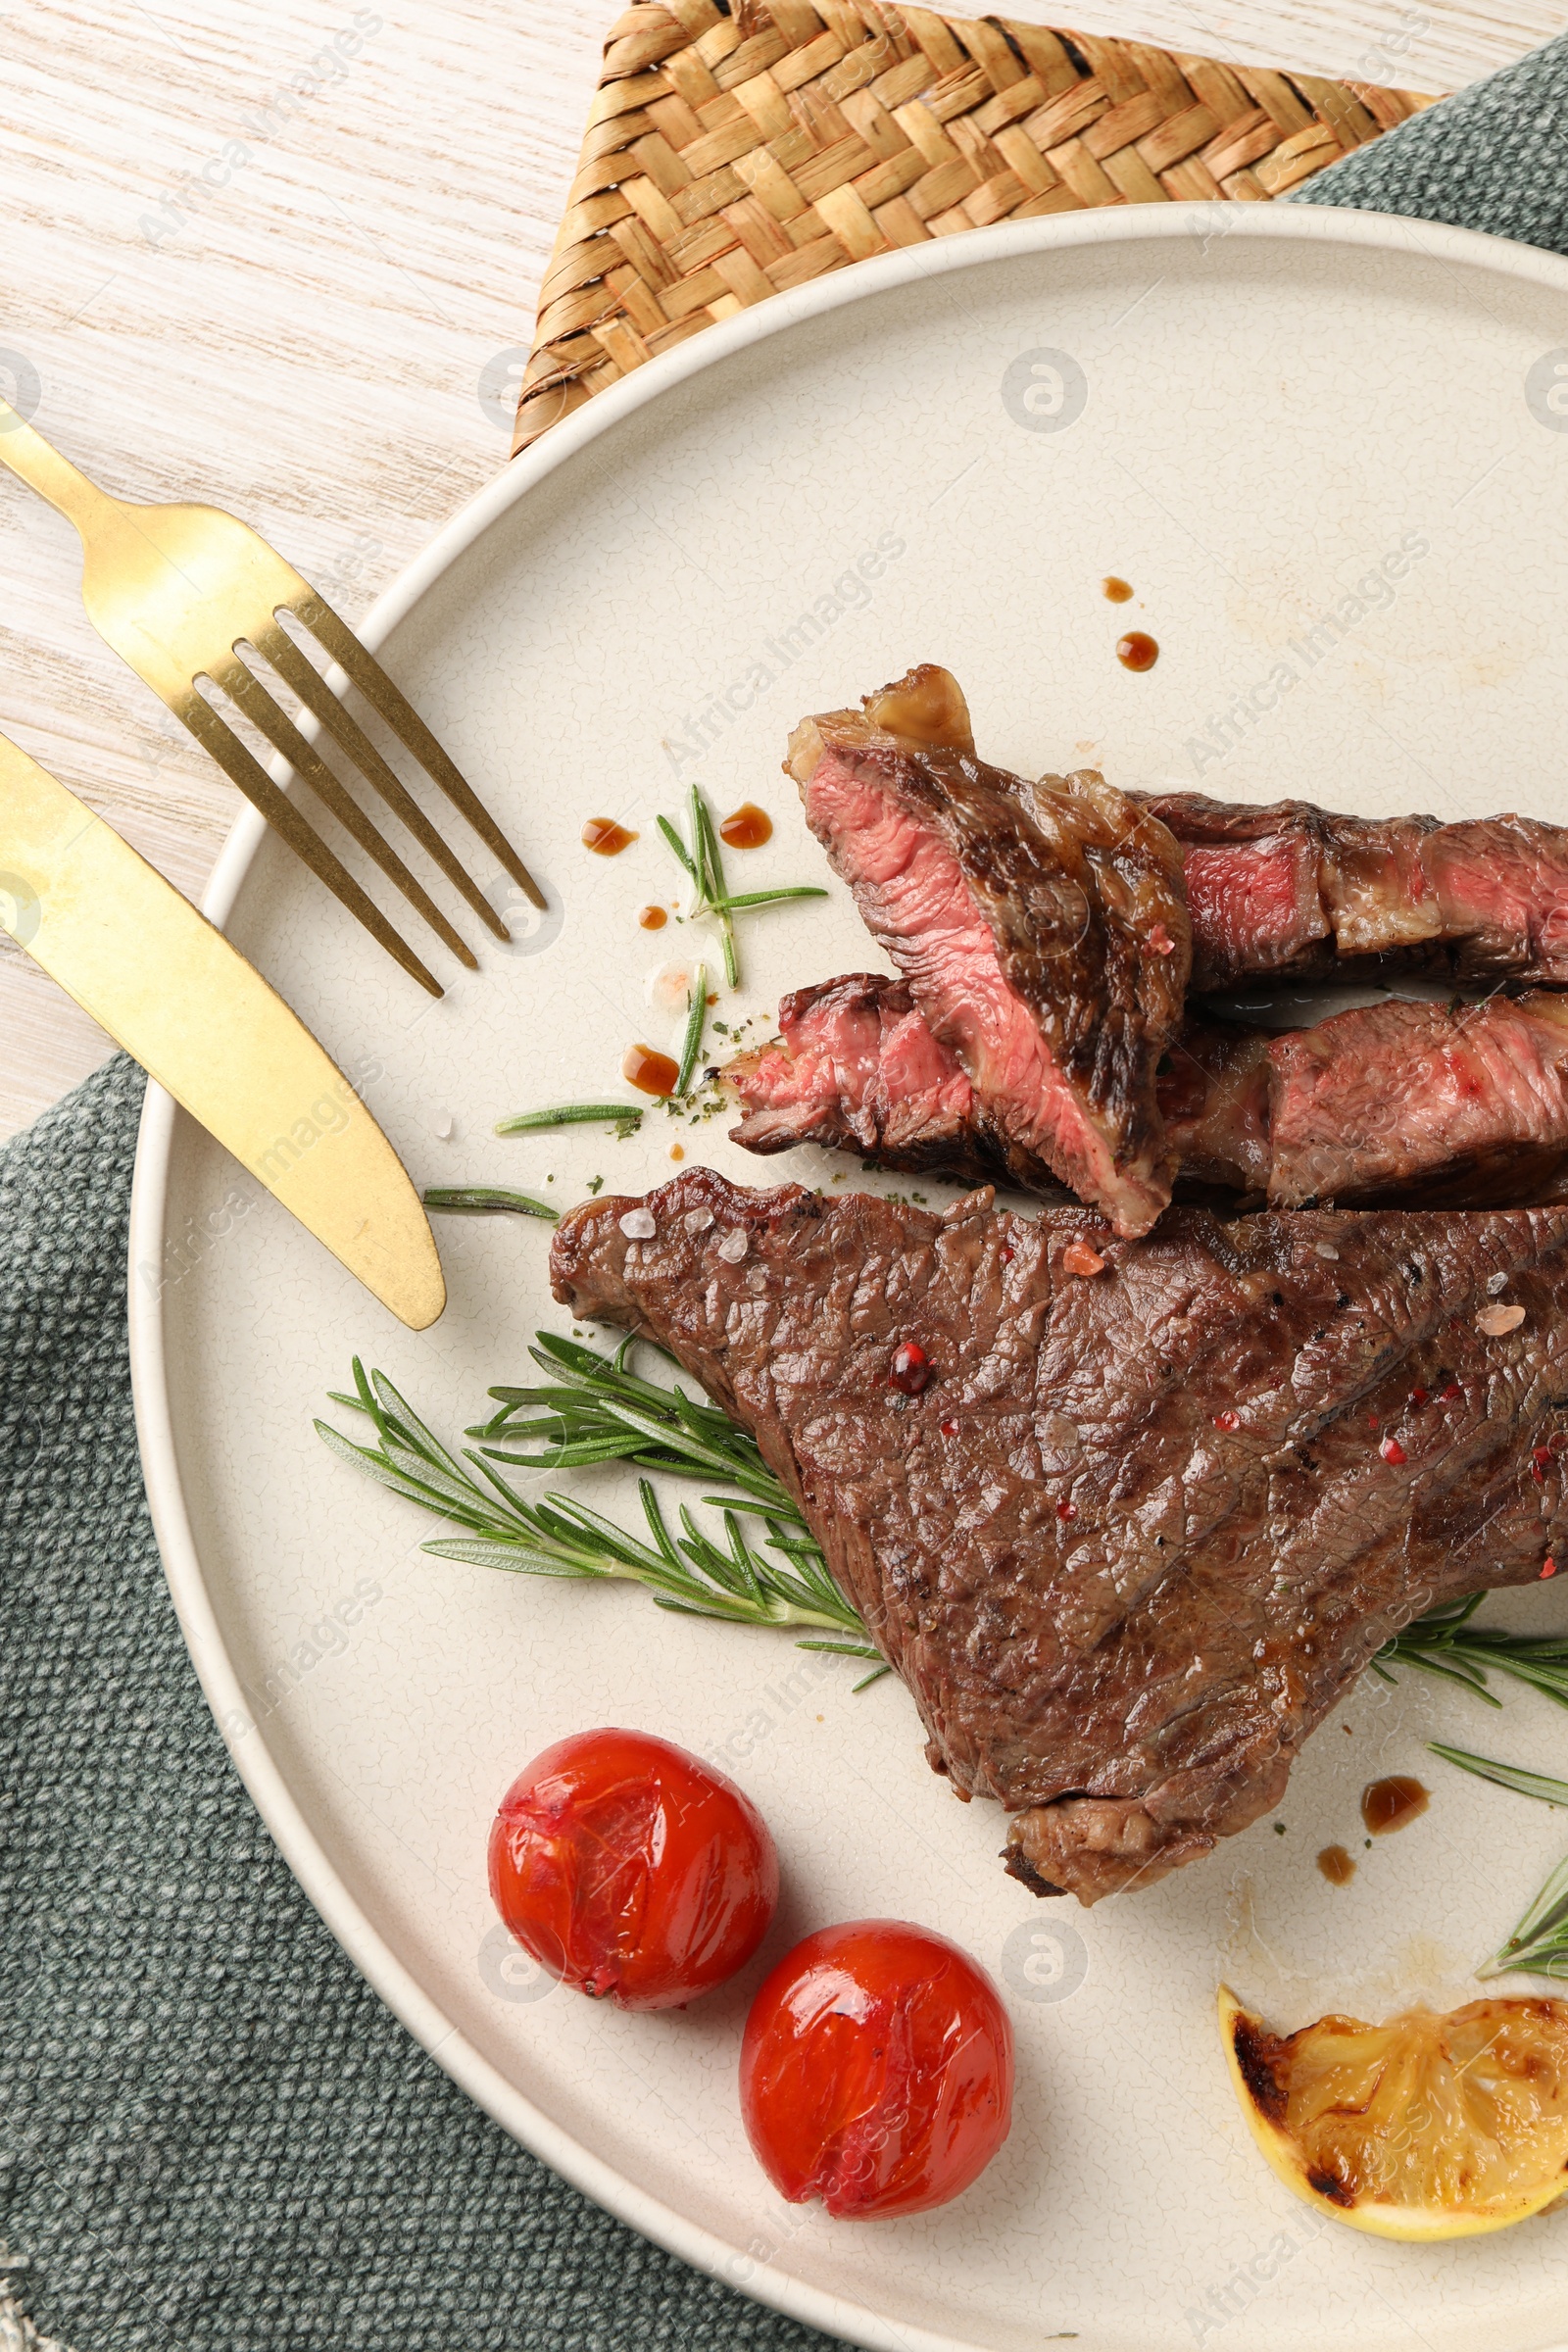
point(212, 2137)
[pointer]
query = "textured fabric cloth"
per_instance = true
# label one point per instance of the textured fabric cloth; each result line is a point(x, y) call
point(1494, 156)
point(212, 2137)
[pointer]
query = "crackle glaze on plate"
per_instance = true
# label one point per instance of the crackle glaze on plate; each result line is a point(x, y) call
point(1327, 452)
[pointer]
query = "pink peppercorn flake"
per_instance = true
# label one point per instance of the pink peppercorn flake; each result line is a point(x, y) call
point(1067, 1510)
point(1079, 1258)
point(1541, 1457)
point(1548, 1568)
point(1418, 1397)
point(1007, 1254)
point(1391, 1450)
point(1227, 1420)
point(1160, 940)
point(910, 1369)
point(949, 1429)
point(1451, 1394)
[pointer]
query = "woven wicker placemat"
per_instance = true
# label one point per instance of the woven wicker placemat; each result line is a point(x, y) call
point(732, 153)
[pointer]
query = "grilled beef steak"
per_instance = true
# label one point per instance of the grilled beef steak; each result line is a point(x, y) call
point(1452, 1105)
point(1296, 891)
point(1144, 1527)
point(1041, 930)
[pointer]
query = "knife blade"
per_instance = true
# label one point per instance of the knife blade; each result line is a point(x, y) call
point(201, 1020)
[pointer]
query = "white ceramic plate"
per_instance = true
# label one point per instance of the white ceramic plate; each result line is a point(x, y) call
point(1327, 452)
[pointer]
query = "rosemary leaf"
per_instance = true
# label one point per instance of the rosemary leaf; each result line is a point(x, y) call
point(1506, 1775)
point(627, 1118)
point(475, 1198)
point(703, 863)
point(594, 1409)
point(696, 1018)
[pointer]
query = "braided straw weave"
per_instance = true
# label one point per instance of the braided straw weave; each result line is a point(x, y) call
point(732, 155)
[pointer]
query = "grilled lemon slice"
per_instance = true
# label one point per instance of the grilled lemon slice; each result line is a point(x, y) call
point(1424, 2127)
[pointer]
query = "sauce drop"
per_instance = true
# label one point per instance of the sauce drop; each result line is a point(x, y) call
point(747, 827)
point(1118, 591)
point(1389, 1804)
point(1137, 650)
point(1335, 1865)
point(605, 836)
point(652, 918)
point(654, 1073)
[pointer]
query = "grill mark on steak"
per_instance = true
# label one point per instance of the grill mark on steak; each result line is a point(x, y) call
point(1041, 930)
point(1164, 1537)
point(1296, 891)
point(1400, 1104)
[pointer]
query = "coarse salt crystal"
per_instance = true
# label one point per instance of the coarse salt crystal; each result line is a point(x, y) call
point(1496, 1284)
point(638, 1225)
point(733, 1247)
point(1325, 1249)
point(1496, 1320)
point(698, 1220)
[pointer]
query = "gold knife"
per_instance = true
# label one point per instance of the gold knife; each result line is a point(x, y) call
point(203, 1022)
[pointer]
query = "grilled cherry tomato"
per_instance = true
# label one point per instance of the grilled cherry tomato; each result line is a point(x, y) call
point(631, 1871)
point(876, 2072)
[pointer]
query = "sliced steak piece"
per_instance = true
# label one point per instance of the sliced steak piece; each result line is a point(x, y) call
point(1441, 1103)
point(1300, 892)
point(1041, 930)
point(856, 1069)
point(1398, 1103)
point(1142, 1527)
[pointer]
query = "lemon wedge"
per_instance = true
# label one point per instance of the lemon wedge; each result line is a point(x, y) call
point(1424, 2127)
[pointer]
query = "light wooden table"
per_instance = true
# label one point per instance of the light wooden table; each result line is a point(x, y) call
point(304, 342)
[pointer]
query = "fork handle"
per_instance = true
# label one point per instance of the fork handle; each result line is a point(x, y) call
point(45, 471)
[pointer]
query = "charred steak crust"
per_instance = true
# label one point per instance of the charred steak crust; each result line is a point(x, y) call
point(1041, 929)
point(1142, 1528)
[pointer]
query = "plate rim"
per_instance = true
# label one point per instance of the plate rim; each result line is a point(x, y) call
point(690, 2241)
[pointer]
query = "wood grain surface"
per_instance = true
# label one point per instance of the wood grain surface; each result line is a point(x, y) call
point(263, 254)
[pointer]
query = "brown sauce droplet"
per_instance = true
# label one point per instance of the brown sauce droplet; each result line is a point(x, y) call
point(655, 1073)
point(652, 918)
point(1137, 650)
point(605, 836)
point(746, 827)
point(1389, 1804)
point(1118, 591)
point(1335, 1865)
point(677, 1150)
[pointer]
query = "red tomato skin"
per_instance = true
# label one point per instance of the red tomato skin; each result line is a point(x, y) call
point(631, 1870)
point(876, 2071)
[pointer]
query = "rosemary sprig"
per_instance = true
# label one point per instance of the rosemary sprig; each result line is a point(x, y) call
point(1446, 1643)
point(475, 1198)
point(711, 894)
point(627, 1118)
point(594, 1409)
point(695, 1021)
point(1538, 1944)
point(599, 1411)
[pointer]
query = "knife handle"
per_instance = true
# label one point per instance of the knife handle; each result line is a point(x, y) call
point(54, 477)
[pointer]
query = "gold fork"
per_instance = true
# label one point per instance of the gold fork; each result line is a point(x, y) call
point(177, 591)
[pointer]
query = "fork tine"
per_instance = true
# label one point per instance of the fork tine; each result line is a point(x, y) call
point(405, 721)
point(278, 647)
point(244, 688)
point(222, 744)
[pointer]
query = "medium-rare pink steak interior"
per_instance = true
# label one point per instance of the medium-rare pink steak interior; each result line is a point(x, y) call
point(1041, 930)
point(1144, 1526)
point(1452, 1105)
point(1295, 891)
